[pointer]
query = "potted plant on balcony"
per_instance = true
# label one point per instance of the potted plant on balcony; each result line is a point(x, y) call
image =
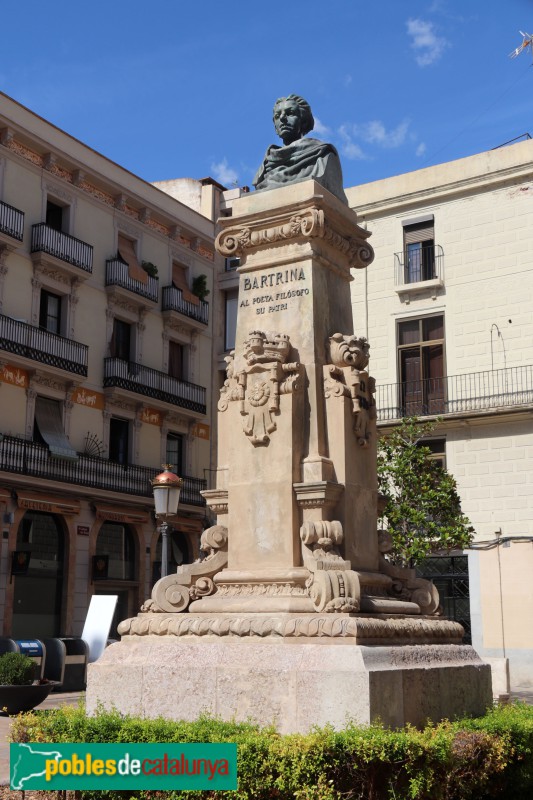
point(18, 689)
point(199, 286)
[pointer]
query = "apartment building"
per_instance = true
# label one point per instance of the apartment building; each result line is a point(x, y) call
point(105, 374)
point(446, 306)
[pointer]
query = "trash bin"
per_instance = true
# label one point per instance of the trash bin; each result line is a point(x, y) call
point(34, 648)
point(76, 658)
point(8, 645)
point(54, 667)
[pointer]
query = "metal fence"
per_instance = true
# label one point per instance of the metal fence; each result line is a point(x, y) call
point(11, 221)
point(31, 458)
point(48, 240)
point(39, 345)
point(456, 394)
point(173, 301)
point(153, 383)
point(117, 274)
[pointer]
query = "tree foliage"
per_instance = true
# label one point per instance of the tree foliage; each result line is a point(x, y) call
point(420, 506)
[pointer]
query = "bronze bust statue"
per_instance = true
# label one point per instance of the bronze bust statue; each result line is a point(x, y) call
point(298, 159)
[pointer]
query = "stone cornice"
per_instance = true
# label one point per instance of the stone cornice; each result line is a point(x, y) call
point(296, 222)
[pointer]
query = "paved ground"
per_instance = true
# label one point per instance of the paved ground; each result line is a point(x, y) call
point(71, 698)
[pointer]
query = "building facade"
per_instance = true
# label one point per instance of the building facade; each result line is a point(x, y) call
point(446, 306)
point(105, 374)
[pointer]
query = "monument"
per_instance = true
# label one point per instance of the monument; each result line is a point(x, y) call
point(294, 616)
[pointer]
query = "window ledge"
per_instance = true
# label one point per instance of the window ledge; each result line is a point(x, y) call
point(420, 287)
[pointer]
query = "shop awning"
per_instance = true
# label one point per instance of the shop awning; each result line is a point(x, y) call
point(50, 424)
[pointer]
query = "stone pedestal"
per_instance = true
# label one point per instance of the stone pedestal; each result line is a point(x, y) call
point(294, 617)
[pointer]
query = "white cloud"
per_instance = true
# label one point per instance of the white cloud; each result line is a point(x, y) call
point(347, 80)
point(421, 149)
point(427, 45)
point(374, 132)
point(349, 148)
point(321, 129)
point(224, 174)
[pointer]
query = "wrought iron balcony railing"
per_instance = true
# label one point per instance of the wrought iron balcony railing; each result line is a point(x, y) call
point(116, 274)
point(26, 340)
point(45, 239)
point(173, 301)
point(475, 392)
point(34, 459)
point(152, 383)
point(426, 264)
point(11, 221)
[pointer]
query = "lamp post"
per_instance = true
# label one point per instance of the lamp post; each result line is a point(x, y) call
point(166, 488)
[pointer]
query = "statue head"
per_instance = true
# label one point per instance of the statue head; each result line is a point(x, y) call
point(292, 118)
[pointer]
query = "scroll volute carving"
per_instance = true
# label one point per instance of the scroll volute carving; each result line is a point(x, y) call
point(405, 584)
point(332, 585)
point(173, 593)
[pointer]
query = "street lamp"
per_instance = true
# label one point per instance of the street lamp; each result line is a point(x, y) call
point(166, 488)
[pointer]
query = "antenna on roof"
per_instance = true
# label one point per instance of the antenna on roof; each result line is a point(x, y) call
point(527, 41)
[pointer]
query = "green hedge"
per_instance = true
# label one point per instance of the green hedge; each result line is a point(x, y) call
point(489, 757)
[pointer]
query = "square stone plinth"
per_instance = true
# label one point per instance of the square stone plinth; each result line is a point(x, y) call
point(294, 685)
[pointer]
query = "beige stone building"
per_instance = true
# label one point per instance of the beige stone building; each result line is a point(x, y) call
point(105, 373)
point(446, 306)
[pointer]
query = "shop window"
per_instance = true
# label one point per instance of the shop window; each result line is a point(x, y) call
point(419, 252)
point(48, 429)
point(421, 366)
point(50, 311)
point(120, 346)
point(38, 593)
point(119, 440)
point(174, 454)
point(232, 302)
point(116, 543)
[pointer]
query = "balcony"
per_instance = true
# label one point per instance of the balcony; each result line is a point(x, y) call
point(117, 276)
point(132, 377)
point(173, 301)
point(45, 239)
point(36, 344)
point(30, 458)
point(420, 270)
point(11, 222)
point(476, 393)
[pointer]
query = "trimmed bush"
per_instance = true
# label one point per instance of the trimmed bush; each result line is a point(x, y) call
point(489, 757)
point(16, 669)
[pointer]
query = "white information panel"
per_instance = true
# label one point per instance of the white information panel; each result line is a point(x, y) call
point(98, 623)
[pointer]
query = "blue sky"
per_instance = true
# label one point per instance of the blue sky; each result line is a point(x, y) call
point(174, 88)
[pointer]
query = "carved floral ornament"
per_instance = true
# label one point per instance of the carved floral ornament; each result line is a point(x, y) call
point(307, 223)
point(258, 387)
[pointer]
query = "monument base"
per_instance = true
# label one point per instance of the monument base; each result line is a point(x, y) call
point(293, 682)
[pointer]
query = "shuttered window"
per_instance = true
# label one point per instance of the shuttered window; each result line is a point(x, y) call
point(49, 425)
point(419, 251)
point(127, 254)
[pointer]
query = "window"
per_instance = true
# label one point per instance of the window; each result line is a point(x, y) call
point(180, 280)
point(119, 437)
point(120, 346)
point(232, 303)
point(421, 366)
point(176, 360)
point(56, 216)
point(50, 312)
point(232, 263)
point(127, 253)
point(419, 252)
point(450, 576)
point(174, 454)
point(438, 450)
